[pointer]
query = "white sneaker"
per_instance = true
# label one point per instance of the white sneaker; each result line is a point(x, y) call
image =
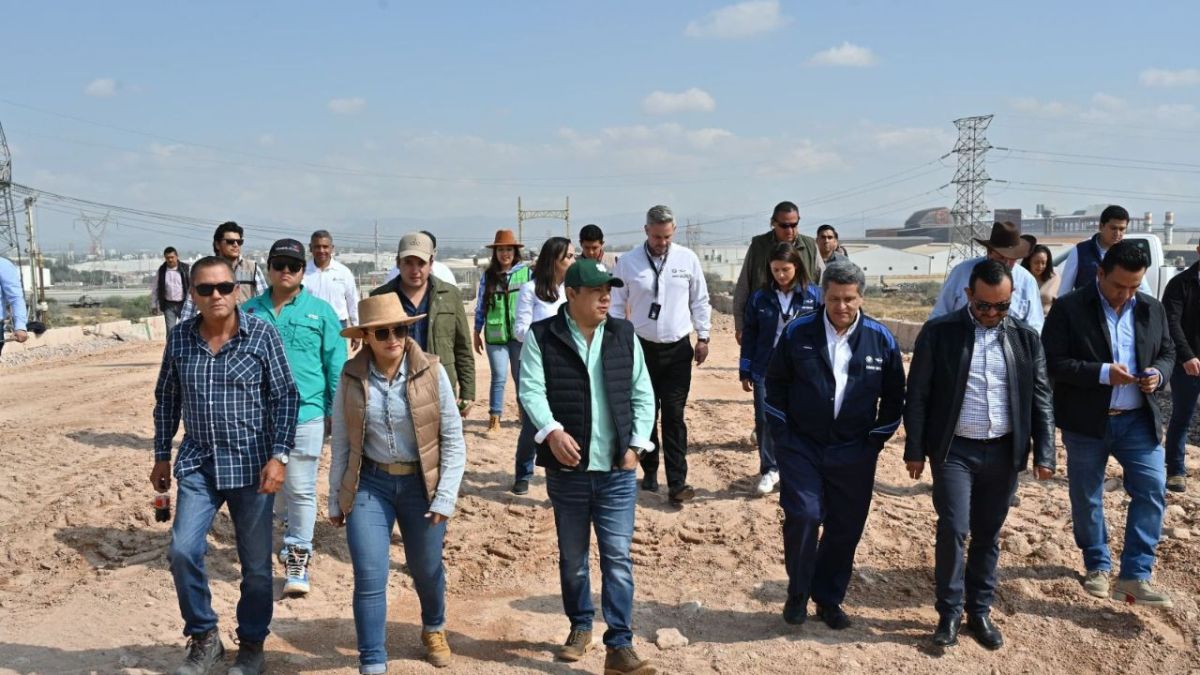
point(766, 484)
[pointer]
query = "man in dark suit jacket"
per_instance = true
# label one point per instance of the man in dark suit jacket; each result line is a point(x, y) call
point(1181, 299)
point(978, 402)
point(1107, 348)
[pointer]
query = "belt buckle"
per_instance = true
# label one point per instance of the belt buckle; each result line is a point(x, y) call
point(1114, 412)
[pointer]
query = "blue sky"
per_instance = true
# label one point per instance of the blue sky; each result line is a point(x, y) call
point(297, 115)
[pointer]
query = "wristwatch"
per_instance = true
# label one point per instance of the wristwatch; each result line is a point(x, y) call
point(700, 339)
point(282, 458)
point(640, 452)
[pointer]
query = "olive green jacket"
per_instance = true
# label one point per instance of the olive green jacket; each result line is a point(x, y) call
point(449, 334)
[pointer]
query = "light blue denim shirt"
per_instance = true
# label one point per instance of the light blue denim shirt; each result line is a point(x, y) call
point(391, 437)
point(1120, 330)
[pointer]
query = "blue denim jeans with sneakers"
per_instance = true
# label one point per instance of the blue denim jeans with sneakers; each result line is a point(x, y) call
point(298, 499)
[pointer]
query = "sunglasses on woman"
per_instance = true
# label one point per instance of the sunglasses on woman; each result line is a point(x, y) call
point(292, 266)
point(399, 332)
point(224, 288)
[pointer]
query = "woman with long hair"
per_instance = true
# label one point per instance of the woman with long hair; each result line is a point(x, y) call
point(1040, 264)
point(539, 299)
point(788, 294)
point(496, 315)
point(398, 457)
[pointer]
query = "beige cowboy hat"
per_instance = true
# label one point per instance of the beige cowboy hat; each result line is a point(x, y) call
point(379, 311)
point(1006, 240)
point(505, 238)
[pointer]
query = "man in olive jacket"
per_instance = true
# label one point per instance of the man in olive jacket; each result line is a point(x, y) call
point(978, 402)
point(756, 269)
point(444, 332)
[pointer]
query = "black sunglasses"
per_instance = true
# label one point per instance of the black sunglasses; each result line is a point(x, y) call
point(789, 226)
point(986, 307)
point(292, 266)
point(400, 332)
point(233, 242)
point(225, 288)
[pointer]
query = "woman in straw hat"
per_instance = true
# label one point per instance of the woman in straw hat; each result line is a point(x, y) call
point(398, 456)
point(496, 315)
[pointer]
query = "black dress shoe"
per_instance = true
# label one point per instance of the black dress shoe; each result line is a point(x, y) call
point(681, 494)
point(946, 634)
point(985, 631)
point(650, 484)
point(834, 617)
point(795, 610)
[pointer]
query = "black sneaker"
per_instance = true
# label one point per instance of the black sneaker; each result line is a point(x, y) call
point(520, 487)
point(250, 659)
point(204, 651)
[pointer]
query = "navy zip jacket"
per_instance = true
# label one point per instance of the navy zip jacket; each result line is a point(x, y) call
point(800, 390)
point(761, 319)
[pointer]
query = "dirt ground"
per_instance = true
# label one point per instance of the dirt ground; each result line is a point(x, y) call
point(84, 585)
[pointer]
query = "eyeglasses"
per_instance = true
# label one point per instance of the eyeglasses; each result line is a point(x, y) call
point(788, 226)
point(988, 307)
point(233, 242)
point(224, 288)
point(292, 266)
point(399, 332)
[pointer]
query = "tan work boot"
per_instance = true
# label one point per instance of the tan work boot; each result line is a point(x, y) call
point(625, 661)
point(578, 643)
point(1140, 592)
point(1096, 583)
point(493, 424)
point(1177, 484)
point(437, 650)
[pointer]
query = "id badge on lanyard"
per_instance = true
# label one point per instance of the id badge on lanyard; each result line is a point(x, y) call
point(655, 306)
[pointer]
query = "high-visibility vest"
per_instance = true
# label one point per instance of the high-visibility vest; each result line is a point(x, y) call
point(499, 319)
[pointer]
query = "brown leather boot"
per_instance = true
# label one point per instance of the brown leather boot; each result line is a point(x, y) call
point(493, 424)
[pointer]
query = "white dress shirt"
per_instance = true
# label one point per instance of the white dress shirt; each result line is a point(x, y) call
point(531, 308)
point(985, 412)
point(335, 284)
point(682, 295)
point(840, 354)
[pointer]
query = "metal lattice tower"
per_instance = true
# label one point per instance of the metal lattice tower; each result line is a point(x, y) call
point(970, 209)
point(534, 214)
point(10, 233)
point(96, 227)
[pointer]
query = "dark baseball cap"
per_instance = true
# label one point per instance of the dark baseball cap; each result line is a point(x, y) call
point(287, 248)
point(587, 273)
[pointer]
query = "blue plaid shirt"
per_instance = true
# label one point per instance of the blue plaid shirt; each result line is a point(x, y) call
point(238, 406)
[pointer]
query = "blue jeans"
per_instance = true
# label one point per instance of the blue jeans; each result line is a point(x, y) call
point(1184, 391)
point(383, 500)
point(197, 502)
point(605, 500)
point(766, 444)
point(1131, 440)
point(298, 499)
point(502, 359)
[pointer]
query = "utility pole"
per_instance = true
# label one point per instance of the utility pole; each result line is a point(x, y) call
point(10, 233)
point(377, 245)
point(524, 214)
point(36, 263)
point(971, 177)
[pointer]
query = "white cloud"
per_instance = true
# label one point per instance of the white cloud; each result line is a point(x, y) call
point(845, 55)
point(1160, 77)
point(1032, 105)
point(913, 137)
point(347, 106)
point(669, 103)
point(102, 87)
point(743, 20)
point(164, 151)
point(266, 140)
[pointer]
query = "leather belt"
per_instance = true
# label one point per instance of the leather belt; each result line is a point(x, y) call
point(1006, 438)
point(394, 469)
point(1113, 412)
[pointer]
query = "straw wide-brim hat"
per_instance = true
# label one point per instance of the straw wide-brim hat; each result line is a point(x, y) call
point(505, 238)
point(379, 311)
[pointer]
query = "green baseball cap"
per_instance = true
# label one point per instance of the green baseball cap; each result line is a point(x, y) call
point(587, 273)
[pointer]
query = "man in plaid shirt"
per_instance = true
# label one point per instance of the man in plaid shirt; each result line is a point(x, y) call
point(225, 374)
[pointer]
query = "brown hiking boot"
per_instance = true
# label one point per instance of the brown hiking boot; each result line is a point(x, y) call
point(625, 661)
point(493, 424)
point(578, 643)
point(437, 650)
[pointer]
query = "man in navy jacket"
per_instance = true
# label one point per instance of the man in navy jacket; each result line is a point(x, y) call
point(835, 394)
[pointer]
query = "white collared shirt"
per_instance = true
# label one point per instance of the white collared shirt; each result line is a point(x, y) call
point(682, 295)
point(840, 354)
point(336, 285)
point(985, 412)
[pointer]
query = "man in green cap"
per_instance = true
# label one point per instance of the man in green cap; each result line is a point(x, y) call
point(586, 390)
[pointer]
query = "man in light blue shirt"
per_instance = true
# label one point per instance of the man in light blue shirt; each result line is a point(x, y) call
point(1007, 246)
point(585, 388)
point(12, 302)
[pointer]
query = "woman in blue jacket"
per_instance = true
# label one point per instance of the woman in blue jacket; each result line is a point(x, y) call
point(790, 293)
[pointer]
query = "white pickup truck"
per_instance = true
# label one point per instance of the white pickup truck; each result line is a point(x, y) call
point(1161, 270)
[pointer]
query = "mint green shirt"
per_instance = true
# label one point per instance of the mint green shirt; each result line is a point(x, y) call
point(316, 351)
point(536, 402)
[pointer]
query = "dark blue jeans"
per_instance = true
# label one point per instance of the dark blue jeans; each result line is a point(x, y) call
point(820, 493)
point(1184, 391)
point(1131, 440)
point(766, 444)
point(198, 501)
point(605, 500)
point(971, 493)
point(383, 500)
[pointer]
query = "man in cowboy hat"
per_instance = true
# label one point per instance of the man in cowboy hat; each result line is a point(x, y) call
point(1007, 246)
